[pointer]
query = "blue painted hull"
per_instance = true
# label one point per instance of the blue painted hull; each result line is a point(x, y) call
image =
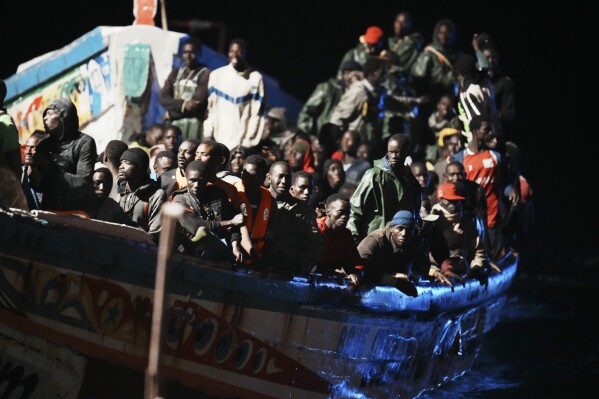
point(87, 286)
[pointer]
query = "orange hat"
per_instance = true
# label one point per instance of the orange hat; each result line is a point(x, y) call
point(372, 36)
point(449, 191)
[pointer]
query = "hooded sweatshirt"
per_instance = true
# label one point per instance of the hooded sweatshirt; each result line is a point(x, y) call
point(67, 184)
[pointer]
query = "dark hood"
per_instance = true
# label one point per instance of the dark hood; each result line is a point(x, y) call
point(68, 115)
point(451, 26)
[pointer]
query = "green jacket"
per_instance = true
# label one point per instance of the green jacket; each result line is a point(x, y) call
point(379, 195)
point(321, 103)
point(408, 48)
point(432, 72)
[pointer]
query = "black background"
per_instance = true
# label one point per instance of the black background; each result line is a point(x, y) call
point(548, 50)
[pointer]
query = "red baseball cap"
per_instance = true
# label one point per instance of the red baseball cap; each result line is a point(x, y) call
point(449, 191)
point(372, 36)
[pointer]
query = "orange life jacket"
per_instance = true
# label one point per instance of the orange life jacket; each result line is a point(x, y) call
point(256, 224)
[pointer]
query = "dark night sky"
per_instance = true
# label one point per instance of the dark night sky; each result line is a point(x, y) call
point(300, 43)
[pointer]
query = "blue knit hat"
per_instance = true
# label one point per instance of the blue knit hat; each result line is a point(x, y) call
point(403, 218)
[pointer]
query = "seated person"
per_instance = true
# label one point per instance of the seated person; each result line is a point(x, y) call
point(102, 207)
point(453, 239)
point(339, 254)
point(293, 242)
point(209, 225)
point(164, 161)
point(140, 197)
point(393, 254)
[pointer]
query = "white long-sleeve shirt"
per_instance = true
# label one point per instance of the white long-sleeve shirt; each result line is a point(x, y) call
point(235, 107)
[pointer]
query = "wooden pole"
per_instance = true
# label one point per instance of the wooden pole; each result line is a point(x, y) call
point(163, 15)
point(170, 212)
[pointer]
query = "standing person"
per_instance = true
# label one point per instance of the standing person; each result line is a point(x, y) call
point(65, 159)
point(475, 96)
point(316, 111)
point(30, 173)
point(406, 43)
point(358, 109)
point(369, 44)
point(483, 166)
point(433, 75)
point(185, 91)
point(236, 103)
point(385, 188)
point(140, 197)
point(293, 242)
point(503, 85)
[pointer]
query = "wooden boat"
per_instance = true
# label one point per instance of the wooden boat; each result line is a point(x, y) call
point(74, 290)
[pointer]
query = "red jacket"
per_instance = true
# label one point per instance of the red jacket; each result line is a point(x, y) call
point(338, 250)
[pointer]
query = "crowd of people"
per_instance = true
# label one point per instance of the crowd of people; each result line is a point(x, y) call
point(398, 168)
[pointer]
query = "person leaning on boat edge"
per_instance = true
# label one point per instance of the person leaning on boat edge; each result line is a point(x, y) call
point(395, 255)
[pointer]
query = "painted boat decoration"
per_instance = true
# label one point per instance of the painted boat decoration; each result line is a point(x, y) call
point(73, 290)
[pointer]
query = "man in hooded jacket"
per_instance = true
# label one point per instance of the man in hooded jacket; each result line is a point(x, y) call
point(65, 159)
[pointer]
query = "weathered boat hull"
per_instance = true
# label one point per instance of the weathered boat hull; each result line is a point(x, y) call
point(88, 286)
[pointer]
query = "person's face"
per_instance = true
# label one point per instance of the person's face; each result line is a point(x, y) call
point(163, 164)
point(297, 160)
point(127, 170)
point(396, 153)
point(30, 147)
point(453, 174)
point(363, 152)
point(445, 36)
point(401, 234)
point(379, 75)
point(348, 143)
point(452, 206)
point(302, 189)
point(491, 57)
point(453, 144)
point(236, 55)
point(318, 152)
point(444, 104)
point(170, 139)
point(335, 175)
point(251, 176)
point(421, 174)
point(280, 179)
point(203, 153)
point(401, 25)
point(52, 122)
point(196, 182)
point(492, 141)
point(154, 135)
point(338, 214)
point(236, 163)
point(189, 54)
point(482, 134)
point(102, 185)
point(186, 154)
